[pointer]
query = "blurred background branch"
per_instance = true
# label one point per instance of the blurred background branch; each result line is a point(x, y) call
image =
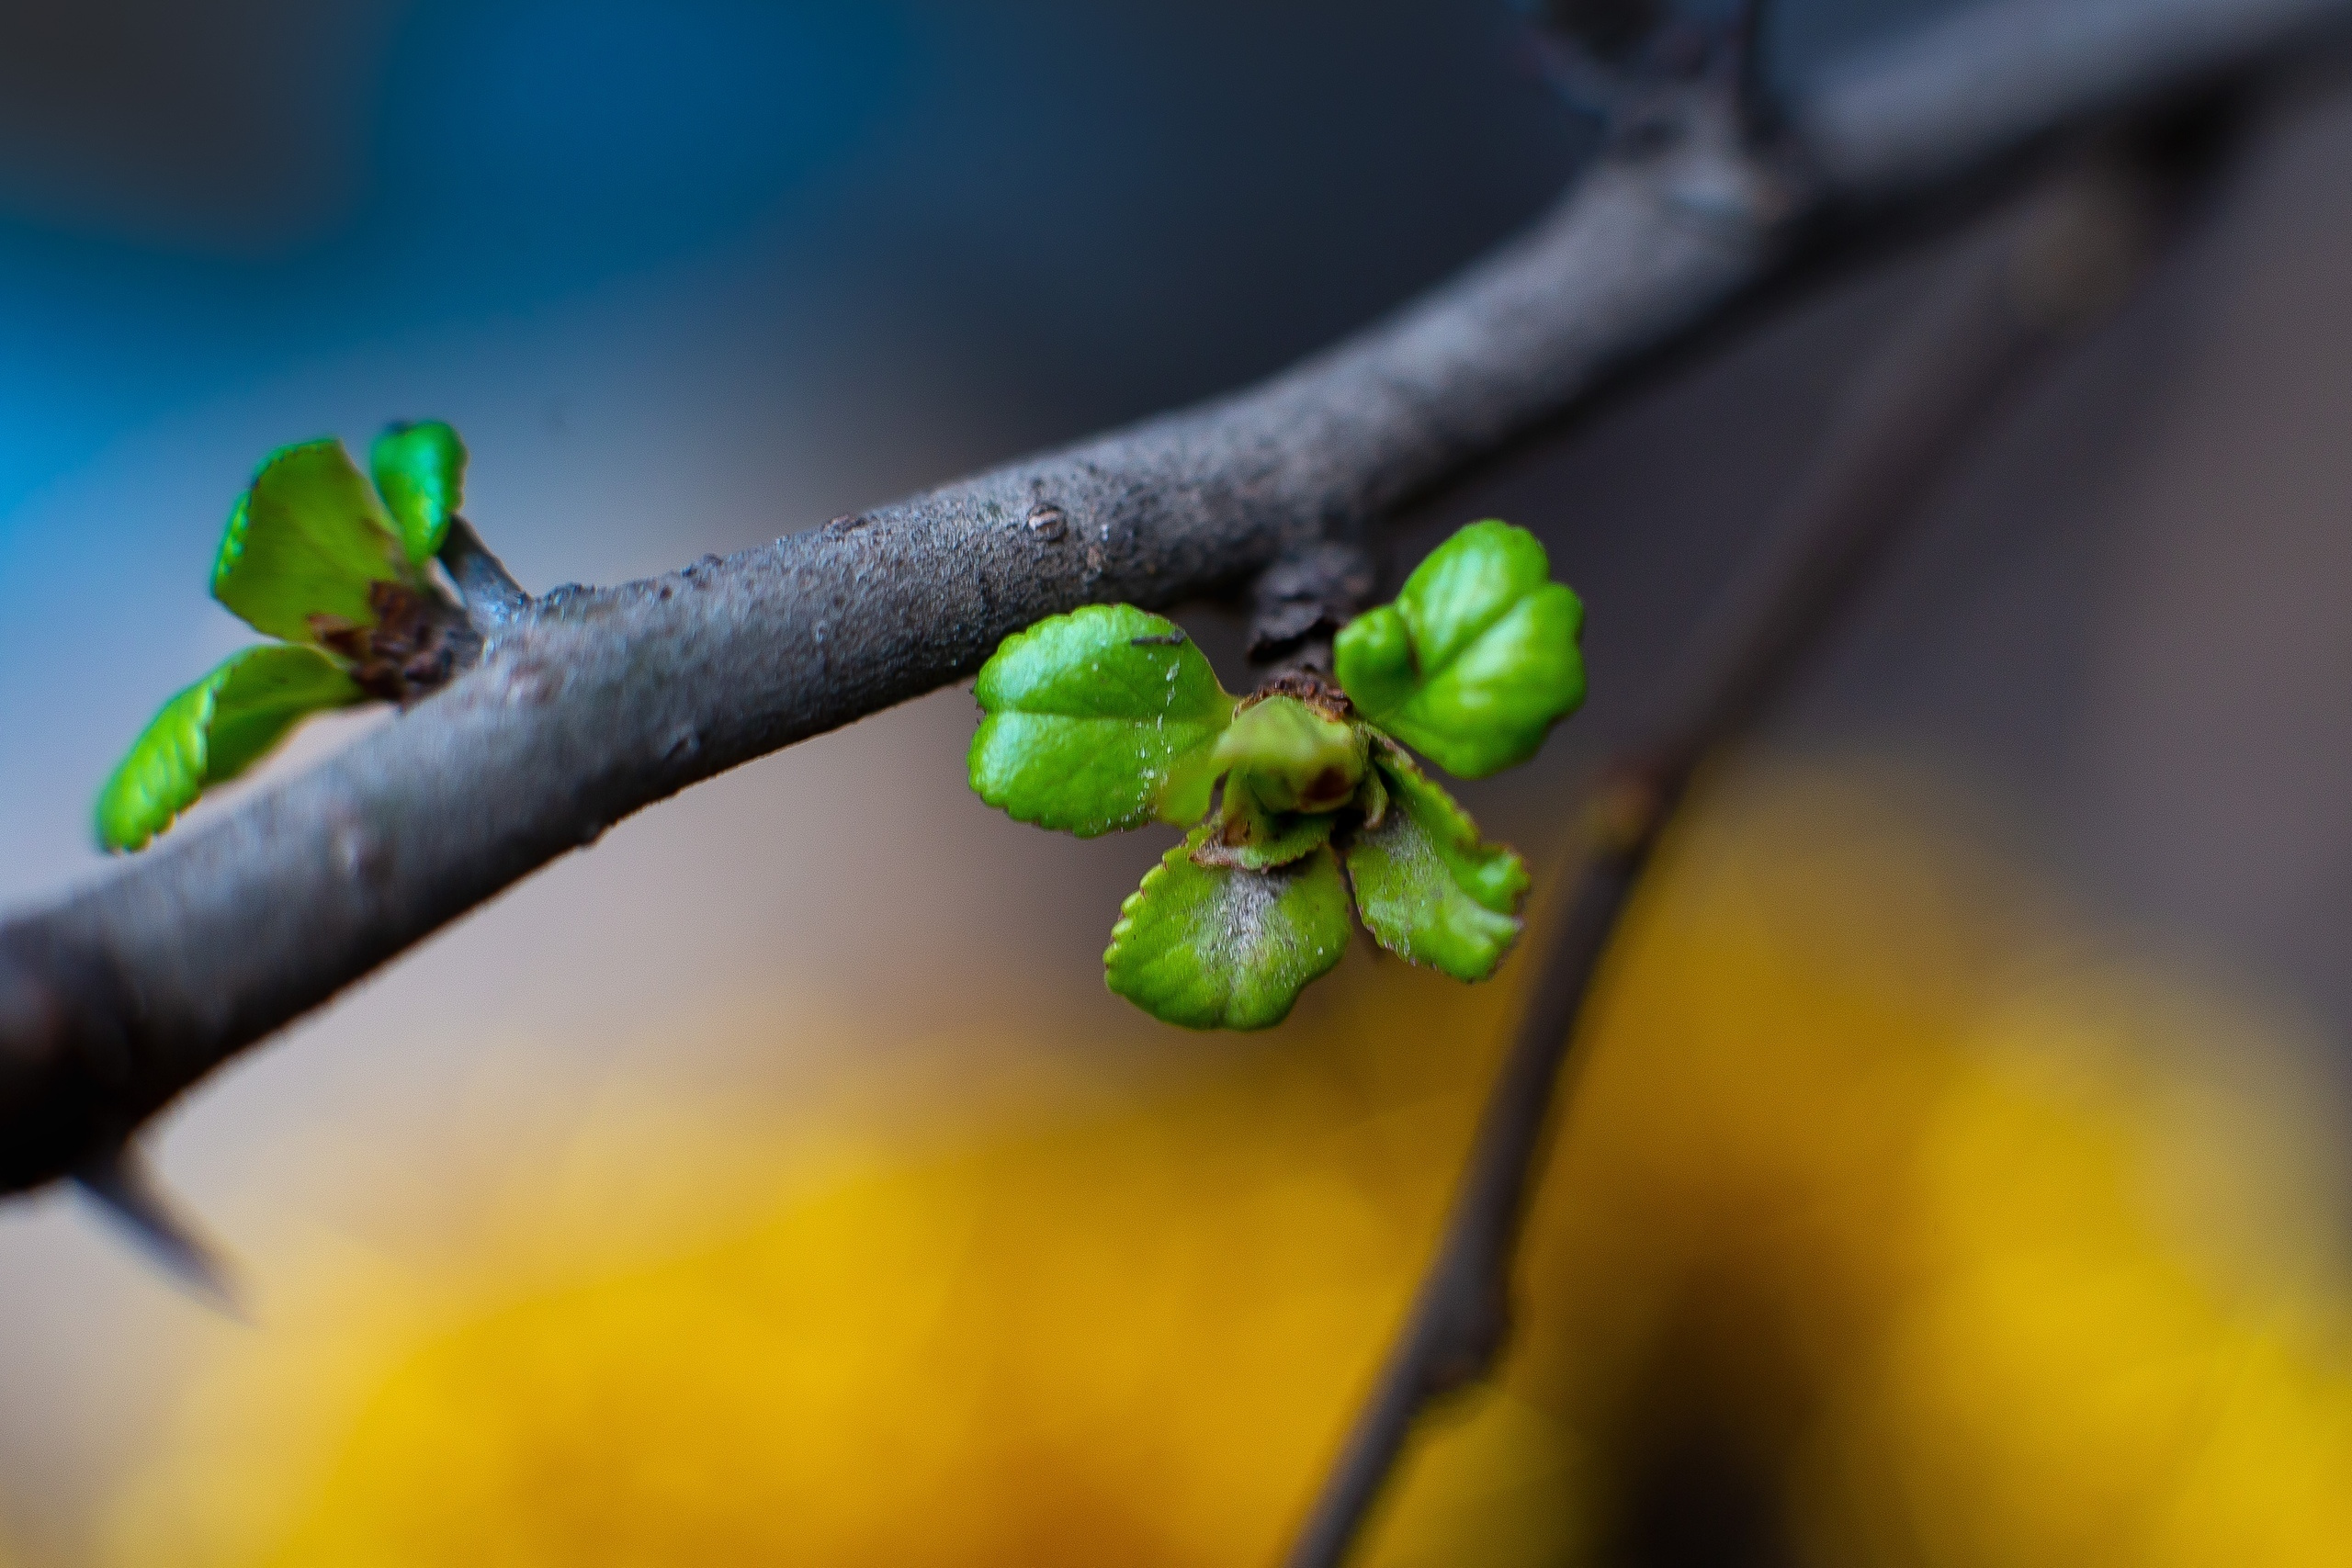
point(598, 703)
point(2062, 261)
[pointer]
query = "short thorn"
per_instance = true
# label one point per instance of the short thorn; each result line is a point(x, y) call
point(125, 1189)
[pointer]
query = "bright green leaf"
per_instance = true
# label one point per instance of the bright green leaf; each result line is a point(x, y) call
point(1373, 656)
point(305, 540)
point(420, 470)
point(1210, 948)
point(1296, 758)
point(1102, 718)
point(1427, 886)
point(1475, 659)
point(210, 733)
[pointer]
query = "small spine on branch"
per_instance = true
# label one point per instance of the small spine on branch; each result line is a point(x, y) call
point(1620, 62)
point(493, 599)
point(120, 1183)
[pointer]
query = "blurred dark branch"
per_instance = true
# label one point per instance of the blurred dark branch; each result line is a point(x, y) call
point(2070, 253)
point(1922, 111)
point(1750, 38)
point(1298, 604)
point(593, 704)
point(1608, 29)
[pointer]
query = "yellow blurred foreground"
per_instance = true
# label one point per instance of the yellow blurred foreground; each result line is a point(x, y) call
point(1894, 1222)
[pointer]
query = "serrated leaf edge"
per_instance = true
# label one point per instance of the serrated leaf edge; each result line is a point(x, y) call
point(1134, 902)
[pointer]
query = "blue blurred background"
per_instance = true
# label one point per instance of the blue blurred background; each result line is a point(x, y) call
point(692, 275)
point(695, 274)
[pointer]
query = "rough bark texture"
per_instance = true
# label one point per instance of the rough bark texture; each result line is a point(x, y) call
point(590, 705)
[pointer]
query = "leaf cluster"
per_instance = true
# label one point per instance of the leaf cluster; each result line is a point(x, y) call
point(335, 568)
point(1301, 799)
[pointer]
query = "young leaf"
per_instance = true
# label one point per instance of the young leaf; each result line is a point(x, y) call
point(210, 733)
point(1427, 888)
point(305, 540)
point(1477, 656)
point(1296, 758)
point(1250, 836)
point(1207, 948)
point(1102, 718)
point(420, 470)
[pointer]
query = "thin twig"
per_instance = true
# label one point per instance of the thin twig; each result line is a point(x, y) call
point(1928, 394)
point(593, 703)
point(494, 601)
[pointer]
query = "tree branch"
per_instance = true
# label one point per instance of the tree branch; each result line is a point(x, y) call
point(1926, 395)
point(590, 704)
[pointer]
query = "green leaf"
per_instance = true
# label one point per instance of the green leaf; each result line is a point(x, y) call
point(1106, 717)
point(1427, 886)
point(210, 733)
point(1250, 836)
point(305, 540)
point(1211, 948)
point(420, 470)
point(1296, 758)
point(1477, 656)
